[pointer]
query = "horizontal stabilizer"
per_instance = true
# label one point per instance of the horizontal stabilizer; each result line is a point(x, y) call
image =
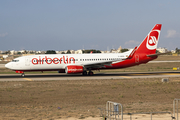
point(157, 54)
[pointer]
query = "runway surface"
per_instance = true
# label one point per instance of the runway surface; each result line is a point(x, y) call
point(97, 76)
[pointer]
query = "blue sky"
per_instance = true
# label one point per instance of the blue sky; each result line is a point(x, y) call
point(88, 24)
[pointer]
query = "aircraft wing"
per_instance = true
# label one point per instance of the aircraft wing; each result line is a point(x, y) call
point(100, 64)
point(108, 63)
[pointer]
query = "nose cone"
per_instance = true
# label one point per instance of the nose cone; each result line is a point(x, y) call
point(8, 65)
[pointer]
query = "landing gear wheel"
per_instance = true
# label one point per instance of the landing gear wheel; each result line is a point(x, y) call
point(84, 73)
point(90, 73)
point(22, 75)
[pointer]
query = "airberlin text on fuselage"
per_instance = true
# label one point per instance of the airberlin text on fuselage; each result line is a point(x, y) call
point(55, 60)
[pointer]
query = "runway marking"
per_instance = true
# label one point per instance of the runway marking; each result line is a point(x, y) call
point(138, 74)
point(27, 79)
point(171, 74)
point(154, 74)
point(125, 77)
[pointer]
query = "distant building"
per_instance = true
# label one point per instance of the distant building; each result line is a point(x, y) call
point(58, 52)
point(162, 50)
point(78, 52)
point(105, 51)
point(21, 51)
point(38, 52)
point(119, 49)
point(8, 57)
point(27, 54)
point(113, 51)
point(5, 56)
point(12, 52)
point(173, 51)
point(102, 51)
point(1, 52)
point(72, 51)
point(32, 51)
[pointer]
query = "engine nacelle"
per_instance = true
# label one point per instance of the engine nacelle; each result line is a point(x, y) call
point(19, 72)
point(73, 69)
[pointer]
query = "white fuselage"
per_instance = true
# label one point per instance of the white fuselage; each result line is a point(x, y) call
point(60, 61)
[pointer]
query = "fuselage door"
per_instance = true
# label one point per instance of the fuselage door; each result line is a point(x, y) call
point(27, 61)
point(136, 58)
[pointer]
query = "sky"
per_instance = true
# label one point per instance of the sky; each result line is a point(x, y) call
point(86, 24)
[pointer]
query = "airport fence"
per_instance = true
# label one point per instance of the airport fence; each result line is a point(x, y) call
point(114, 111)
point(175, 109)
point(151, 114)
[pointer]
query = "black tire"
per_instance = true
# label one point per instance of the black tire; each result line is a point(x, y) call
point(84, 73)
point(22, 75)
point(90, 73)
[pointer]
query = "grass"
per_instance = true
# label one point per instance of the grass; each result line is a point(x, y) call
point(147, 94)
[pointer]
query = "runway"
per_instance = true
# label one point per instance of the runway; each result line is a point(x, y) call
point(97, 76)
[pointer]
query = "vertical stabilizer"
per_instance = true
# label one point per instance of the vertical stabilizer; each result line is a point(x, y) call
point(149, 44)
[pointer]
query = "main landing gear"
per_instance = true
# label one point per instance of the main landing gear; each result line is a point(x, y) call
point(22, 73)
point(90, 73)
point(84, 73)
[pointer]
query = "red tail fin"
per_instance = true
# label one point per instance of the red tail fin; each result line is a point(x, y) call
point(149, 45)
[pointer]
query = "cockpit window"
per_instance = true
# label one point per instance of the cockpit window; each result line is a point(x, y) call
point(15, 60)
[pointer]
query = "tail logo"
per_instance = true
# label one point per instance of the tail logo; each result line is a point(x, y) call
point(152, 39)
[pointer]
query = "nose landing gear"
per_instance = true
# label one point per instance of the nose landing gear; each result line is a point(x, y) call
point(22, 75)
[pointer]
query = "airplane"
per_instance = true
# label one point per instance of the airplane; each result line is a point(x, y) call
point(85, 63)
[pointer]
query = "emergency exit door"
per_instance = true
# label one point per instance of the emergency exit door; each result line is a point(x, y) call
point(27, 61)
point(136, 58)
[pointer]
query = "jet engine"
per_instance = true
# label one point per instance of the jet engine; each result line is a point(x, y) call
point(73, 69)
